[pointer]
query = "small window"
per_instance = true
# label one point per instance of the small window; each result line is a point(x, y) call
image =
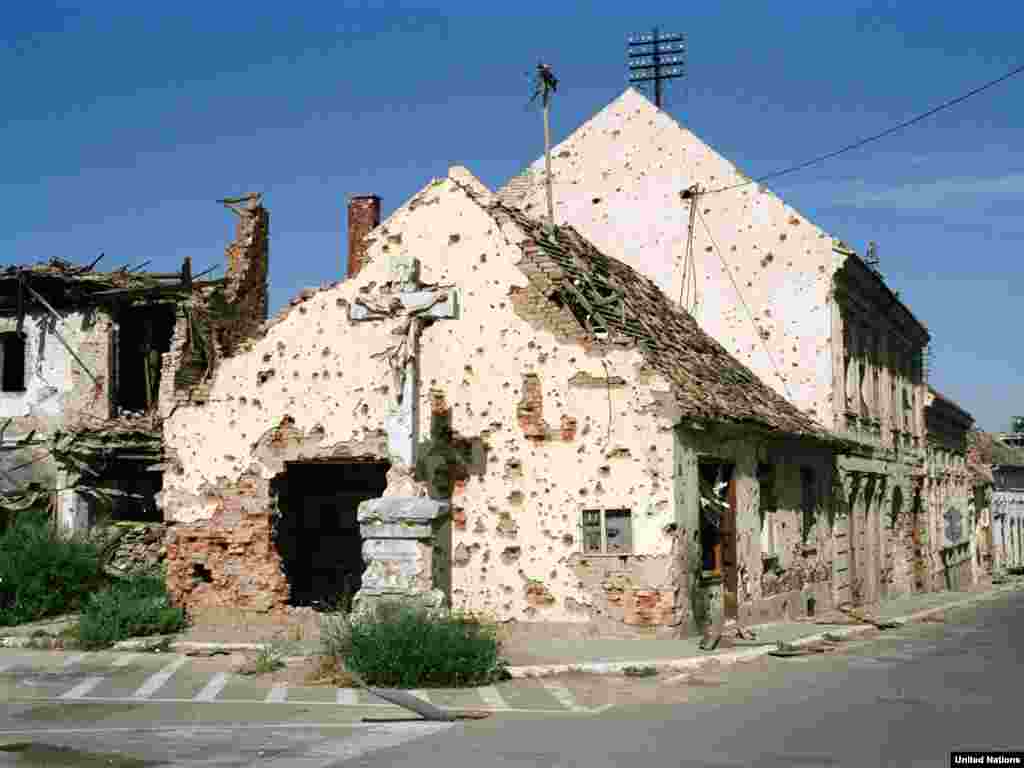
point(12, 352)
point(608, 531)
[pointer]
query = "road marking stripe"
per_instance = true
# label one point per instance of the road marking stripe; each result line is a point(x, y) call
point(83, 688)
point(156, 681)
point(278, 694)
point(422, 695)
point(492, 697)
point(392, 707)
point(73, 660)
point(213, 688)
point(424, 725)
point(563, 695)
point(347, 696)
point(124, 660)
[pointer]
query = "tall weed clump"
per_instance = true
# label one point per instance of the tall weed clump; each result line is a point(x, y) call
point(43, 573)
point(136, 607)
point(403, 646)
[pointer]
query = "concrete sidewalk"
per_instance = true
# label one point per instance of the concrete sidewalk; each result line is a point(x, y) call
point(613, 655)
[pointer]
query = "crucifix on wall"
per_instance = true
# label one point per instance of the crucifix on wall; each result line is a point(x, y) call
point(415, 305)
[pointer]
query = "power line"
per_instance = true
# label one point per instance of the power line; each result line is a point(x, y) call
point(875, 137)
point(735, 285)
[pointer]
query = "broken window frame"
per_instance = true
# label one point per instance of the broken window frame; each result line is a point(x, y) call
point(592, 519)
point(710, 498)
point(13, 347)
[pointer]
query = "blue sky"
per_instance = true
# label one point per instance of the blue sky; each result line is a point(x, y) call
point(124, 122)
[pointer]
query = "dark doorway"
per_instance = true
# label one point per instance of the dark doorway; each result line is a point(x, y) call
point(316, 532)
point(143, 335)
point(718, 529)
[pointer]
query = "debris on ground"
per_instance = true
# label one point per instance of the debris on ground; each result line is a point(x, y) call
point(646, 671)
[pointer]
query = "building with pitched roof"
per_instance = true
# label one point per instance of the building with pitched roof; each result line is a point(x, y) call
point(798, 307)
point(494, 414)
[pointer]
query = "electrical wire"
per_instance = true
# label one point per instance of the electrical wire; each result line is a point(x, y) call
point(861, 142)
point(743, 301)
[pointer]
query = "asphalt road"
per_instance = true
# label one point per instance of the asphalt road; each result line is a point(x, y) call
point(905, 697)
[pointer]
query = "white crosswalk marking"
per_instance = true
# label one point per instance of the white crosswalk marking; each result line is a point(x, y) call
point(157, 681)
point(278, 694)
point(83, 688)
point(492, 697)
point(563, 695)
point(124, 660)
point(213, 688)
point(347, 696)
point(71, 661)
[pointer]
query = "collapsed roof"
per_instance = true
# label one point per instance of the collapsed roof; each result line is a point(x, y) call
point(708, 383)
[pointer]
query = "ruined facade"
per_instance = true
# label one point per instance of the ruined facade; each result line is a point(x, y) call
point(948, 537)
point(1003, 539)
point(495, 415)
point(809, 316)
point(1008, 516)
point(92, 363)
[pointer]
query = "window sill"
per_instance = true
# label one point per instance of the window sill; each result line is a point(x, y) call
point(710, 578)
point(607, 554)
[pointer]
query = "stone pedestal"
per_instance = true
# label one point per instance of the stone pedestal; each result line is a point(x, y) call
point(400, 535)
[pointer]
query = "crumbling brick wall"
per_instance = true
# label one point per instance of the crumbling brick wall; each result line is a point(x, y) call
point(245, 291)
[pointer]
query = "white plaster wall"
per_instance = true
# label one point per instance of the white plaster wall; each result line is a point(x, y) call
point(617, 179)
point(327, 377)
point(56, 386)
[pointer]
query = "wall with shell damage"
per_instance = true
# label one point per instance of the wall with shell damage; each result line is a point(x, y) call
point(59, 393)
point(519, 422)
point(785, 551)
point(760, 276)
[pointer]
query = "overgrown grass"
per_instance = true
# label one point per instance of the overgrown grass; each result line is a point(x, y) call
point(135, 607)
point(407, 647)
point(43, 574)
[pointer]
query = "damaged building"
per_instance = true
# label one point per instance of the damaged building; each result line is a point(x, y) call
point(92, 363)
point(493, 414)
point(946, 543)
point(1003, 527)
point(812, 318)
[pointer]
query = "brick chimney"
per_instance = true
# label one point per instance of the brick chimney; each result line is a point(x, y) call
point(363, 217)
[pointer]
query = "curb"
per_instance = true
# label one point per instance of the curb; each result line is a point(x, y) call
point(735, 657)
point(149, 644)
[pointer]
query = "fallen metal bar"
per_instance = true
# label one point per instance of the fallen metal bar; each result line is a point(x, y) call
point(60, 338)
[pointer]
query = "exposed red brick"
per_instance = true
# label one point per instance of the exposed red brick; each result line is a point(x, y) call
point(568, 428)
point(530, 411)
point(363, 218)
point(649, 607)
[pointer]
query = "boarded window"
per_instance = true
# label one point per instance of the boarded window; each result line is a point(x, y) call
point(608, 531)
point(12, 359)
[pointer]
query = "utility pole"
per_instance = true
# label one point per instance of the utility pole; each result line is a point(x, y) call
point(655, 58)
point(546, 85)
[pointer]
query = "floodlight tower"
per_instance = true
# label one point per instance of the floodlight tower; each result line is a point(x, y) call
point(654, 58)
